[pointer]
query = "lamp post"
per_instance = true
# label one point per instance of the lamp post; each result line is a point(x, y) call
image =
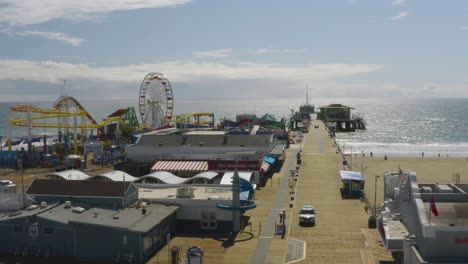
point(375, 195)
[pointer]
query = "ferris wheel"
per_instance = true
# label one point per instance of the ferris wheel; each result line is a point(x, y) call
point(156, 100)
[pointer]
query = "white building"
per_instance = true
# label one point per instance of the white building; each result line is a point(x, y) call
point(201, 207)
point(410, 228)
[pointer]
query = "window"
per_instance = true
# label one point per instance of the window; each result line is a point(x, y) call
point(48, 230)
point(18, 229)
point(208, 220)
point(147, 242)
point(356, 185)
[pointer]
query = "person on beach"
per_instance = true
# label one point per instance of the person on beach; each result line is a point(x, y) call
point(422, 154)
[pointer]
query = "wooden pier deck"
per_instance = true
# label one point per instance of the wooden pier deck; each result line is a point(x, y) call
point(340, 234)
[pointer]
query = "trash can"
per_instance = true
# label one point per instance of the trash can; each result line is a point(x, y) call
point(175, 255)
point(372, 222)
point(195, 255)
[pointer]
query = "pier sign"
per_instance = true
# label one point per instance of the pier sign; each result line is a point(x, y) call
point(230, 165)
point(461, 240)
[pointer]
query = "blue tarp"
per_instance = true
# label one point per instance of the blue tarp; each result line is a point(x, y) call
point(351, 175)
point(269, 159)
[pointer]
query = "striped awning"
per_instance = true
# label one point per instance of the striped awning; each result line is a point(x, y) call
point(174, 165)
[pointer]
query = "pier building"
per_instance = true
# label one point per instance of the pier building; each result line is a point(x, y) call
point(338, 118)
point(194, 153)
point(424, 223)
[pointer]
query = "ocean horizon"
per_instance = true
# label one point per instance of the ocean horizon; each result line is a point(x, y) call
point(394, 126)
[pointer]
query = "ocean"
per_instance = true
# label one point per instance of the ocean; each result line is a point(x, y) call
point(395, 127)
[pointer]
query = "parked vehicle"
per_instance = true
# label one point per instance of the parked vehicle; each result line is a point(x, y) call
point(7, 186)
point(307, 215)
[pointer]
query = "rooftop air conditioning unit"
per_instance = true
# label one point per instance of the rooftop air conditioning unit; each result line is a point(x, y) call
point(78, 210)
point(67, 204)
point(43, 205)
point(185, 192)
point(32, 207)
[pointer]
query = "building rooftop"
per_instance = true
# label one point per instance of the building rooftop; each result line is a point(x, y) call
point(455, 214)
point(248, 140)
point(88, 188)
point(130, 218)
point(199, 193)
point(117, 175)
point(70, 175)
point(336, 106)
point(31, 210)
point(206, 132)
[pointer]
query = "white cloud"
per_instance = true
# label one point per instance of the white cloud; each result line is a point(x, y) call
point(31, 12)
point(465, 28)
point(399, 2)
point(59, 36)
point(222, 53)
point(276, 51)
point(399, 16)
point(182, 71)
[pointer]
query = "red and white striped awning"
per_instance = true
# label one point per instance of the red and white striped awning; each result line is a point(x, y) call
point(265, 167)
point(173, 165)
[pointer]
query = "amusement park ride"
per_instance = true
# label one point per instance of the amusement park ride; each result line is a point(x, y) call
point(156, 101)
point(156, 105)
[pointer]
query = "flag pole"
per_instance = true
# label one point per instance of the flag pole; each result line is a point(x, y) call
point(429, 214)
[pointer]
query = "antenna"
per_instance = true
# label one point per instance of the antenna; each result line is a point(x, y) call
point(62, 88)
point(62, 93)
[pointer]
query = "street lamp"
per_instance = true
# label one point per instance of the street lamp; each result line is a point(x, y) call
point(375, 195)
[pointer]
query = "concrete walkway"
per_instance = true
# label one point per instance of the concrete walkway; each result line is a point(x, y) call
point(264, 241)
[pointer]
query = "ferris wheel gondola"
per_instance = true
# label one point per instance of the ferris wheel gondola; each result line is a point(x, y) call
point(156, 101)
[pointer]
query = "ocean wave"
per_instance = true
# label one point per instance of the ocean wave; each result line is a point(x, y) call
point(404, 149)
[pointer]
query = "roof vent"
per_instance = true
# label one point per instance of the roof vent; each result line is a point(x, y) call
point(96, 213)
point(67, 204)
point(78, 210)
point(43, 205)
point(15, 213)
point(32, 207)
point(185, 192)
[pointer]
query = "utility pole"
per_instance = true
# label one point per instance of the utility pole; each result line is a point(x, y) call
point(375, 195)
point(20, 166)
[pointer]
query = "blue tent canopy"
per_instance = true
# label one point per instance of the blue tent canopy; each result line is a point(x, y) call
point(269, 159)
point(351, 175)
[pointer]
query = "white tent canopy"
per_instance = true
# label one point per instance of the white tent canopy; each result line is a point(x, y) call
point(170, 178)
point(117, 175)
point(73, 175)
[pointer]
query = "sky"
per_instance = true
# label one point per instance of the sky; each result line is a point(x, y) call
point(243, 49)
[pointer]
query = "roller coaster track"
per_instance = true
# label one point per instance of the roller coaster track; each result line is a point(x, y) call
point(62, 101)
point(196, 118)
point(58, 112)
